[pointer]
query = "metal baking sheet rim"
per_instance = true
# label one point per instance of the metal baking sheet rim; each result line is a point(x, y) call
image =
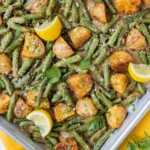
point(141, 108)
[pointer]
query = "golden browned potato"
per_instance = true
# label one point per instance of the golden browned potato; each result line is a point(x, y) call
point(4, 103)
point(62, 111)
point(115, 116)
point(21, 109)
point(127, 6)
point(1, 20)
point(86, 107)
point(32, 100)
point(99, 12)
point(81, 84)
point(79, 36)
point(120, 60)
point(67, 144)
point(119, 82)
point(135, 40)
point(5, 64)
point(61, 49)
point(33, 46)
point(35, 6)
point(147, 2)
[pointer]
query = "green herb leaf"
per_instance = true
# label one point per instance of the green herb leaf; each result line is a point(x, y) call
point(2, 85)
point(131, 146)
point(97, 123)
point(52, 74)
point(85, 64)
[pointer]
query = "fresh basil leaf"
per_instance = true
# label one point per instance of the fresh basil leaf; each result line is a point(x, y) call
point(53, 74)
point(85, 64)
point(2, 85)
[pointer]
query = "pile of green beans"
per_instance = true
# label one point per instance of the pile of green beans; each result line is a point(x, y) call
point(29, 73)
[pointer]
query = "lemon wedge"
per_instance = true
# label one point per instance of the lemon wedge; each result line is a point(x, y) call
point(49, 31)
point(139, 72)
point(43, 120)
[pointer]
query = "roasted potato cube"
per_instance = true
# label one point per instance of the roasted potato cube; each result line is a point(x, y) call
point(67, 144)
point(35, 6)
point(33, 46)
point(62, 111)
point(119, 82)
point(127, 6)
point(147, 2)
point(32, 100)
point(4, 103)
point(120, 60)
point(21, 109)
point(86, 107)
point(81, 84)
point(1, 20)
point(5, 64)
point(115, 116)
point(79, 36)
point(99, 12)
point(61, 49)
point(135, 40)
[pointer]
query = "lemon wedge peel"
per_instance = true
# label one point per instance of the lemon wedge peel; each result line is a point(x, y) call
point(49, 31)
point(43, 120)
point(139, 72)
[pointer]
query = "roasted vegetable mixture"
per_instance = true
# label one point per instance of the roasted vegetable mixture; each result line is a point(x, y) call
point(81, 78)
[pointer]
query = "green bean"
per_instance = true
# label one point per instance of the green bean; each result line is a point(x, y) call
point(106, 93)
point(108, 25)
point(57, 8)
point(82, 128)
point(80, 140)
point(101, 57)
point(65, 76)
point(145, 32)
point(47, 90)
point(53, 134)
point(122, 33)
point(141, 88)
point(67, 61)
point(15, 44)
point(92, 48)
point(97, 53)
point(110, 6)
point(25, 124)
point(104, 99)
point(98, 77)
point(114, 36)
point(75, 14)
point(145, 20)
point(96, 101)
point(116, 101)
point(102, 139)
point(106, 74)
point(73, 127)
point(148, 57)
point(84, 10)
point(22, 82)
point(39, 76)
point(25, 66)
point(36, 134)
point(64, 91)
point(40, 140)
point(8, 2)
point(130, 98)
point(76, 68)
point(8, 12)
point(88, 25)
point(96, 135)
point(5, 41)
point(87, 45)
point(18, 120)
point(64, 22)
point(49, 46)
point(10, 111)
point(67, 7)
point(7, 83)
point(40, 91)
point(56, 96)
point(15, 61)
point(3, 31)
point(53, 140)
point(143, 57)
point(51, 6)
